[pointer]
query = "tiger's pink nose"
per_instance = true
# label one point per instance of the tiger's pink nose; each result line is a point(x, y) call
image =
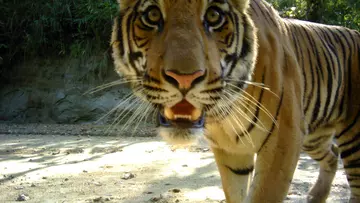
point(185, 80)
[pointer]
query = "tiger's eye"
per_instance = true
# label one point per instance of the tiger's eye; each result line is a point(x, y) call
point(153, 15)
point(213, 16)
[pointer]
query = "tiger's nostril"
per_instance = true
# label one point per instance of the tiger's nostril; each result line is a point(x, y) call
point(184, 81)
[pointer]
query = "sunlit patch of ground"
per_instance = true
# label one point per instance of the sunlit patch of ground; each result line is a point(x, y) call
point(55, 168)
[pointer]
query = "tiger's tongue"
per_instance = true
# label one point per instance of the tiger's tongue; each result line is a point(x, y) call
point(183, 108)
point(183, 115)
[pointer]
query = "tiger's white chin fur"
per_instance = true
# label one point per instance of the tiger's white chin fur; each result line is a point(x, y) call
point(181, 136)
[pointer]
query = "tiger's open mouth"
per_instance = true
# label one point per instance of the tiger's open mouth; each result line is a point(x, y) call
point(182, 115)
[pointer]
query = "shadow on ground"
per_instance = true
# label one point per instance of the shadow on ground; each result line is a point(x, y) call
point(78, 168)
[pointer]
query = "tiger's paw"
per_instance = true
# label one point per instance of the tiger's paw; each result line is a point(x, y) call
point(315, 199)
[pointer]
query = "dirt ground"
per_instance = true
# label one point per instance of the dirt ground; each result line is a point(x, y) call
point(73, 163)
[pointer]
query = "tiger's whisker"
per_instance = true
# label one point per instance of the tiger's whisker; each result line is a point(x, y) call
point(255, 84)
point(127, 98)
point(256, 103)
point(225, 111)
point(246, 81)
point(144, 115)
point(111, 84)
point(238, 121)
point(134, 116)
point(246, 117)
point(239, 100)
point(125, 111)
point(120, 115)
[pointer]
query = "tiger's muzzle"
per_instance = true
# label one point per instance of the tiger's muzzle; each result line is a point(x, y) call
point(183, 114)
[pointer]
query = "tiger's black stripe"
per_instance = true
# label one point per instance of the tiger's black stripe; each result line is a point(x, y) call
point(266, 14)
point(233, 58)
point(242, 171)
point(350, 126)
point(120, 34)
point(273, 125)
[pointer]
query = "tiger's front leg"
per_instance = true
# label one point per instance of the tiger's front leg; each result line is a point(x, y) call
point(236, 174)
point(274, 167)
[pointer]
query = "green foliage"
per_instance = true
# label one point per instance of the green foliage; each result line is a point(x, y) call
point(290, 8)
point(333, 12)
point(345, 12)
point(46, 28)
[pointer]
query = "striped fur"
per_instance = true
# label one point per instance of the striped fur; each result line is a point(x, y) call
point(272, 88)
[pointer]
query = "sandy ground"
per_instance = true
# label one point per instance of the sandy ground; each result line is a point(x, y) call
point(68, 163)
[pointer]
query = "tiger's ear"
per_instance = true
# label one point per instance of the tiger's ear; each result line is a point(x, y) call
point(241, 5)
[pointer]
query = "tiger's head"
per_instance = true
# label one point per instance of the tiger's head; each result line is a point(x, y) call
point(188, 58)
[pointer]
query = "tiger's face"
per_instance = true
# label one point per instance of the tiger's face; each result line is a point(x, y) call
point(190, 57)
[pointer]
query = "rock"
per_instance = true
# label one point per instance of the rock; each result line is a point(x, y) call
point(175, 190)
point(157, 199)
point(76, 150)
point(59, 95)
point(53, 91)
point(22, 197)
point(14, 103)
point(101, 199)
point(128, 176)
point(75, 106)
point(19, 187)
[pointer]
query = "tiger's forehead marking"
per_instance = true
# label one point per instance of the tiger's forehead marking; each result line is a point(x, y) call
point(146, 3)
point(180, 5)
point(204, 2)
point(165, 5)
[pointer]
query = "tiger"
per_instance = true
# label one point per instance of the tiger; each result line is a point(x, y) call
point(259, 88)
